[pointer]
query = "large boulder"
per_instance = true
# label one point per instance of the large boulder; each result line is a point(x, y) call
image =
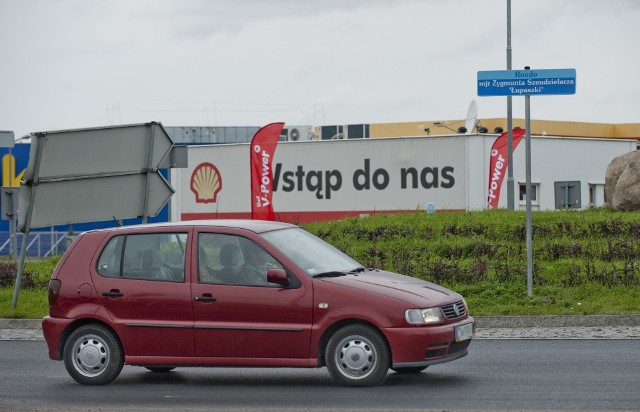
point(622, 182)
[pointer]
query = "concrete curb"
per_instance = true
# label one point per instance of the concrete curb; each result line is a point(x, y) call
point(514, 322)
point(20, 323)
point(482, 322)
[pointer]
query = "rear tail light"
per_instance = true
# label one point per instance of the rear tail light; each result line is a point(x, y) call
point(54, 291)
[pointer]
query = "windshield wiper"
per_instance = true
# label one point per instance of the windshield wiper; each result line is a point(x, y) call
point(330, 274)
point(336, 273)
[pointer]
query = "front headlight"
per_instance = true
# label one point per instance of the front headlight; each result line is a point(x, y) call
point(423, 316)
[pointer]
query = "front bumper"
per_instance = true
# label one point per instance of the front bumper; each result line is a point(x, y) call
point(419, 346)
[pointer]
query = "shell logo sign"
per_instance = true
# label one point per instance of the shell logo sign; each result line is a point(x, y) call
point(9, 178)
point(206, 183)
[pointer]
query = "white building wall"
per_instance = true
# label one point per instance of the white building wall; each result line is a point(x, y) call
point(553, 159)
point(461, 161)
point(478, 150)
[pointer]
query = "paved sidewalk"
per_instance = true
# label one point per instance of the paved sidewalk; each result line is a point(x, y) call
point(578, 332)
point(487, 327)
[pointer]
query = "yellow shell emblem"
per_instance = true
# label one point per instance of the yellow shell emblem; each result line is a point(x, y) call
point(206, 183)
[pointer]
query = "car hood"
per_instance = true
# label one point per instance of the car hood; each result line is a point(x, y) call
point(411, 290)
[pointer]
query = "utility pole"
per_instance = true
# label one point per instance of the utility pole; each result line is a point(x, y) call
point(510, 183)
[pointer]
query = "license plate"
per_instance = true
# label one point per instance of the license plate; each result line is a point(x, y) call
point(463, 332)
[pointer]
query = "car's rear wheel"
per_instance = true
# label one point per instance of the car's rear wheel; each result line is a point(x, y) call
point(409, 371)
point(93, 355)
point(357, 355)
point(160, 369)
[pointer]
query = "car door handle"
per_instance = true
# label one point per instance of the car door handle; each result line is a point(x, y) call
point(113, 294)
point(207, 297)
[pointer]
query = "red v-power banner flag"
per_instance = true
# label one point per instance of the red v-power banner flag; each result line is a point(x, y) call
point(263, 147)
point(498, 164)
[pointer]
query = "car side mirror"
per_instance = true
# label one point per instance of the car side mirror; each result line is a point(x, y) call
point(277, 276)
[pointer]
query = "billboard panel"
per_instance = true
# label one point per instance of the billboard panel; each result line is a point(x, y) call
point(320, 179)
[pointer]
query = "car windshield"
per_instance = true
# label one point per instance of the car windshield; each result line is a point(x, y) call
point(312, 254)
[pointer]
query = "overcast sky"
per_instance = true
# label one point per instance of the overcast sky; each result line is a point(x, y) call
point(68, 64)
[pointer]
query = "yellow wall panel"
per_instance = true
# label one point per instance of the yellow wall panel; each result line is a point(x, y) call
point(538, 127)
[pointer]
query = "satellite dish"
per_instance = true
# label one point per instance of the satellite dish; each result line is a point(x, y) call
point(471, 121)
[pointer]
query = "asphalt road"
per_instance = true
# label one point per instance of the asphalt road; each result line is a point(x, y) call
point(497, 375)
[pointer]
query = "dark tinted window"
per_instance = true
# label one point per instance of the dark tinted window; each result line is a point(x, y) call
point(233, 260)
point(153, 256)
point(111, 257)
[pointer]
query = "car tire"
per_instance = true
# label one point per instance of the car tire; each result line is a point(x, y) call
point(93, 355)
point(357, 355)
point(160, 369)
point(409, 371)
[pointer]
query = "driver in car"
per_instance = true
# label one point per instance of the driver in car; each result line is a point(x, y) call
point(254, 270)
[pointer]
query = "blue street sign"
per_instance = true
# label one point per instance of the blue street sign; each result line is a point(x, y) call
point(526, 82)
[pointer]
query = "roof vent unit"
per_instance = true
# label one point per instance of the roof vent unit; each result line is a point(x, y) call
point(296, 133)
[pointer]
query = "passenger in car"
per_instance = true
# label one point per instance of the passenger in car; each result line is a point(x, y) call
point(230, 258)
point(152, 264)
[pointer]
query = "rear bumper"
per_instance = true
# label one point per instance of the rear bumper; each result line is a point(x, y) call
point(53, 330)
point(426, 345)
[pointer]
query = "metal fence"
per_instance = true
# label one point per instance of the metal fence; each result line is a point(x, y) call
point(39, 244)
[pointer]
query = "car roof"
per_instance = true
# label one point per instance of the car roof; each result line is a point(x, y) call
point(257, 226)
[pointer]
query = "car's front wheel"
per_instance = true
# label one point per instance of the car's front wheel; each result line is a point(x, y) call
point(93, 355)
point(357, 355)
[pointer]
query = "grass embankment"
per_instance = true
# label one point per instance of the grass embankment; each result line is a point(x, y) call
point(33, 301)
point(585, 262)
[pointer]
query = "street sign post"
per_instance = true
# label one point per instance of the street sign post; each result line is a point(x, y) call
point(7, 138)
point(9, 206)
point(8, 202)
point(527, 83)
point(94, 174)
point(76, 176)
point(95, 199)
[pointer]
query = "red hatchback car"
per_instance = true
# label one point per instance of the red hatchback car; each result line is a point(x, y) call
point(242, 293)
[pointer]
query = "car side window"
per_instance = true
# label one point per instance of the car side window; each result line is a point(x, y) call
point(233, 260)
point(111, 257)
point(153, 256)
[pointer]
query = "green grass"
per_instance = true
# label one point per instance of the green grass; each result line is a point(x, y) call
point(32, 299)
point(32, 303)
point(587, 299)
point(585, 262)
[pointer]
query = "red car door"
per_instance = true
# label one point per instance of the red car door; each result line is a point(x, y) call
point(150, 306)
point(236, 320)
point(252, 322)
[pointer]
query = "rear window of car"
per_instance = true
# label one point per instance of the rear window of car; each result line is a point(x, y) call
point(148, 256)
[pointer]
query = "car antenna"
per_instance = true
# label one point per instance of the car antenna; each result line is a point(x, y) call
point(118, 224)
